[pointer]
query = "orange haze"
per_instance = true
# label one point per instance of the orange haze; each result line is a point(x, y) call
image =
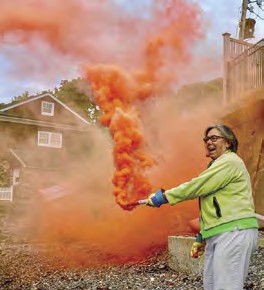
point(132, 63)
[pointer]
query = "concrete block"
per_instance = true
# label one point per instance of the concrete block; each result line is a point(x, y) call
point(260, 219)
point(179, 258)
point(179, 255)
point(261, 242)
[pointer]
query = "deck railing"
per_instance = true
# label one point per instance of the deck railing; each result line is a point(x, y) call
point(237, 47)
point(6, 193)
point(243, 67)
point(246, 71)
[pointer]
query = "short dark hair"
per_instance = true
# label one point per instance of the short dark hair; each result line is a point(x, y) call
point(227, 133)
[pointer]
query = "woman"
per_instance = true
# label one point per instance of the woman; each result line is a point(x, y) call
point(227, 215)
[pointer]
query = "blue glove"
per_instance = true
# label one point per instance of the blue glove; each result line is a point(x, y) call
point(157, 199)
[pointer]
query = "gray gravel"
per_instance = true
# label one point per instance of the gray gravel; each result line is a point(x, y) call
point(24, 266)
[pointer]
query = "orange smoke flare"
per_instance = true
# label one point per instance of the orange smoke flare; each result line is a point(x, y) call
point(115, 92)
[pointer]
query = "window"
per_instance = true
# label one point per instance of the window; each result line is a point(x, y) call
point(47, 108)
point(48, 139)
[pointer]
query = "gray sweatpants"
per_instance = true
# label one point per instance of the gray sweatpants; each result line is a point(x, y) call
point(227, 258)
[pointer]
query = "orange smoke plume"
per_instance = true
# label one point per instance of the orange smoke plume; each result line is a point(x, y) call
point(115, 92)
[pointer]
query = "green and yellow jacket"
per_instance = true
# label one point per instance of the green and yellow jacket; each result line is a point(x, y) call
point(225, 195)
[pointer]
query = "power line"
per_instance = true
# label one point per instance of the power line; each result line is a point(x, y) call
point(251, 7)
point(258, 2)
point(256, 14)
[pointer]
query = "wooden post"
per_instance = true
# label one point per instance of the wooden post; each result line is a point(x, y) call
point(243, 20)
point(262, 67)
point(226, 59)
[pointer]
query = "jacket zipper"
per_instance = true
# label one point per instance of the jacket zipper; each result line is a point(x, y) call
point(217, 207)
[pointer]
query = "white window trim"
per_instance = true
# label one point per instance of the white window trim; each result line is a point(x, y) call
point(49, 143)
point(47, 113)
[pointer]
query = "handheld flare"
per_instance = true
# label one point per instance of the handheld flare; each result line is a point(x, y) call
point(138, 202)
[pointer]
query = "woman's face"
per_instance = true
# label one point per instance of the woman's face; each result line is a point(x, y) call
point(215, 144)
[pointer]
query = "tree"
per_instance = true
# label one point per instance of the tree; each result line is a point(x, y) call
point(77, 93)
point(201, 92)
point(5, 174)
point(23, 97)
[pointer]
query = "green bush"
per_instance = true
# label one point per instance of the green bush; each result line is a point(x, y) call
point(5, 174)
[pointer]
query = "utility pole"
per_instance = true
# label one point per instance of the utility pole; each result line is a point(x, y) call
point(243, 20)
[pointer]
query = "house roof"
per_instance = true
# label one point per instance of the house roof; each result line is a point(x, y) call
point(11, 106)
point(39, 158)
point(11, 119)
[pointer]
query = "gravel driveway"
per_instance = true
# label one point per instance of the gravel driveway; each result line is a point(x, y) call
point(24, 266)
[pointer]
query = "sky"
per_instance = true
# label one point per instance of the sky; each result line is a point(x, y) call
point(21, 71)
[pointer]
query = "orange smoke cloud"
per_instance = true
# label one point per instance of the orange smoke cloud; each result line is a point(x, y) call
point(84, 29)
point(62, 24)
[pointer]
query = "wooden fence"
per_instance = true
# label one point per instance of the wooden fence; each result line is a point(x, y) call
point(245, 72)
point(243, 67)
point(237, 47)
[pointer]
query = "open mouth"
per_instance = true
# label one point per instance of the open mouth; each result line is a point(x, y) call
point(211, 150)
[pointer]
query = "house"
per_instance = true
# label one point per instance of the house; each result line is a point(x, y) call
point(41, 137)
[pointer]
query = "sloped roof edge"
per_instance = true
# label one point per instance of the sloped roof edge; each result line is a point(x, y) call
point(42, 96)
point(38, 159)
point(4, 118)
point(18, 158)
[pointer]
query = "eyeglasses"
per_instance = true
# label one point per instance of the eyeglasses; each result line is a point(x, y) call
point(212, 138)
